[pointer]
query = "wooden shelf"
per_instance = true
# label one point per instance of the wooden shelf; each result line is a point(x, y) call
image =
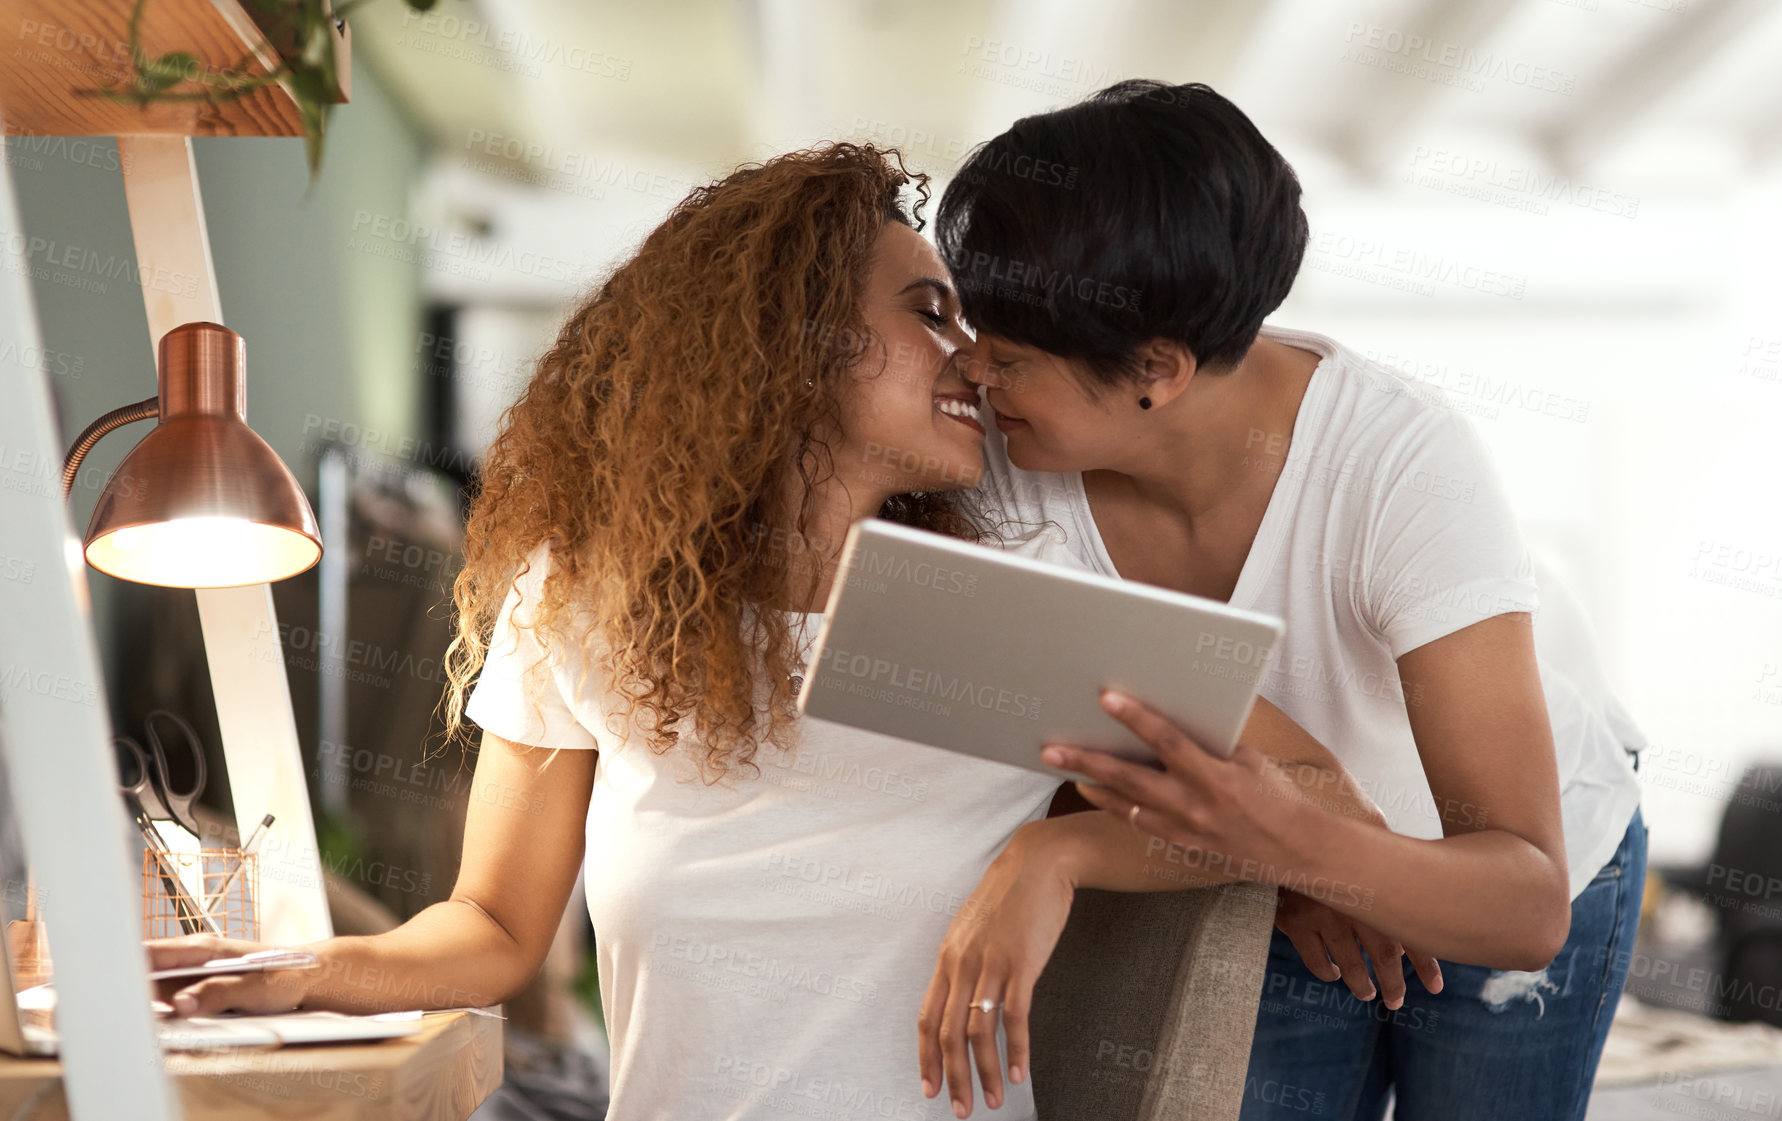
point(441, 1073)
point(59, 47)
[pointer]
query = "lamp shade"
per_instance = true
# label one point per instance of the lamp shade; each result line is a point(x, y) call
point(202, 502)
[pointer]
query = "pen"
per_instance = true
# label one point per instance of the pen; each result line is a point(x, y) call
point(252, 846)
point(254, 838)
point(192, 917)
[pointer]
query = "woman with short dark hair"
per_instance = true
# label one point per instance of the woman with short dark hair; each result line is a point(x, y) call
point(1117, 259)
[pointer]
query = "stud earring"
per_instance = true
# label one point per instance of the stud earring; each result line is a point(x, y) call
point(1144, 402)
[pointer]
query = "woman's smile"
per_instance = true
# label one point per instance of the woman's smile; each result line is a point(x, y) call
point(960, 407)
point(1006, 423)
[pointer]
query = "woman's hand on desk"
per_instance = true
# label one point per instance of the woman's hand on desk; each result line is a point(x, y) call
point(275, 990)
point(995, 948)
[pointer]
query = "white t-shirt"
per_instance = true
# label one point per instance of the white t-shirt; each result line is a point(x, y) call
point(764, 944)
point(1388, 528)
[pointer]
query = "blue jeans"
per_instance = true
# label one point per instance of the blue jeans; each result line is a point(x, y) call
point(1490, 1045)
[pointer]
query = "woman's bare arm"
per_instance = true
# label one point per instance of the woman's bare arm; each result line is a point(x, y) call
point(523, 839)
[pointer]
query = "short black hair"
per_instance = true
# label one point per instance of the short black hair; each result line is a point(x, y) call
point(1144, 211)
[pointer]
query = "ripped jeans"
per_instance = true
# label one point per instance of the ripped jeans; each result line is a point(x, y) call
point(1490, 1045)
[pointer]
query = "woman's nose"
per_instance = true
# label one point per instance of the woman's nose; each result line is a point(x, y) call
point(972, 368)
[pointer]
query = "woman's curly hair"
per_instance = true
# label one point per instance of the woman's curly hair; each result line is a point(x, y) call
point(653, 443)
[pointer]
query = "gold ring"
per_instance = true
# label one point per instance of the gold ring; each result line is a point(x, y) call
point(1132, 815)
point(985, 1005)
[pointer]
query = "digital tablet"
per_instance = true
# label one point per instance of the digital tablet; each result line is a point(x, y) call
point(973, 649)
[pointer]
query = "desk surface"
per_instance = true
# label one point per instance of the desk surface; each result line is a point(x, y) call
point(441, 1073)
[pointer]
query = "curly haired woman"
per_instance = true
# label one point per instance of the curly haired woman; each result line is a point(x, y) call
point(657, 524)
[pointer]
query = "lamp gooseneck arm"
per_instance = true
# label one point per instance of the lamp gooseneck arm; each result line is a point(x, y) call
point(117, 418)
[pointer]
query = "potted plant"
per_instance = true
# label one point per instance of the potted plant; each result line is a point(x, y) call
point(300, 33)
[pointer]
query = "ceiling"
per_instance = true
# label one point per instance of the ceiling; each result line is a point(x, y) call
point(721, 80)
point(580, 122)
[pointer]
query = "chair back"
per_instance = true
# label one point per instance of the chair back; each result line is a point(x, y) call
point(1146, 1009)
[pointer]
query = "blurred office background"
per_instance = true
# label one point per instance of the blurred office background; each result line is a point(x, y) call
point(1564, 214)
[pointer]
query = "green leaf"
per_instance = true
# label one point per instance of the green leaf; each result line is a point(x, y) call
point(318, 43)
point(314, 124)
point(310, 84)
point(307, 84)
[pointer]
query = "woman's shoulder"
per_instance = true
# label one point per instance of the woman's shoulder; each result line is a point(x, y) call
point(1382, 430)
point(526, 583)
point(535, 566)
point(1372, 400)
point(571, 631)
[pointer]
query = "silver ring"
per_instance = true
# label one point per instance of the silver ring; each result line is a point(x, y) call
point(986, 1005)
point(1132, 815)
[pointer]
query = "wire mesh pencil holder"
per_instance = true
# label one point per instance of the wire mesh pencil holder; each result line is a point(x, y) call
point(227, 883)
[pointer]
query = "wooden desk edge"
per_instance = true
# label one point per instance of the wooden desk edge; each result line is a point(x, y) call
point(441, 1073)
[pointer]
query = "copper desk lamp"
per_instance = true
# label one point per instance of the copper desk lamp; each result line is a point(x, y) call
point(202, 502)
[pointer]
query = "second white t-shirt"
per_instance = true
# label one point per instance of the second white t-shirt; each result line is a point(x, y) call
point(1388, 528)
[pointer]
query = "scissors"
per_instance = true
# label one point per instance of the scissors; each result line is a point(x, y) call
point(165, 785)
point(159, 788)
